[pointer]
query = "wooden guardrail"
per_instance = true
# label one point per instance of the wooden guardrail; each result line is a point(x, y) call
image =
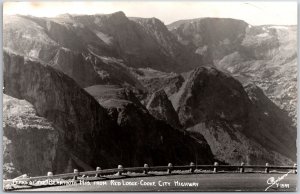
point(215, 168)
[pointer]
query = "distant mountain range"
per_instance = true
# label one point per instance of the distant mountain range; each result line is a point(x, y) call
point(264, 55)
point(100, 90)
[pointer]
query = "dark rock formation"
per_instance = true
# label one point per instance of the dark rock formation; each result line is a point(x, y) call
point(79, 132)
point(184, 56)
point(216, 105)
point(84, 127)
point(150, 140)
point(161, 108)
point(272, 122)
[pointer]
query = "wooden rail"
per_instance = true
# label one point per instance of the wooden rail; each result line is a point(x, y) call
point(168, 169)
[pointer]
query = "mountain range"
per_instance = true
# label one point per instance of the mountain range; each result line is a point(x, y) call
point(82, 91)
point(264, 55)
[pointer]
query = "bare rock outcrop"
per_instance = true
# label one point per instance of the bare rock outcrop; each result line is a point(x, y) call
point(161, 108)
point(237, 127)
point(30, 142)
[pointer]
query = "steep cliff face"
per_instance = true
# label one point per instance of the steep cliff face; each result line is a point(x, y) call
point(29, 141)
point(216, 95)
point(150, 140)
point(141, 42)
point(216, 105)
point(76, 66)
point(273, 122)
point(265, 55)
point(159, 32)
point(161, 108)
point(89, 69)
point(84, 128)
point(184, 56)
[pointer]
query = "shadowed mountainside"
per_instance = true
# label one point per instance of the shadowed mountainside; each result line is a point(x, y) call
point(149, 139)
point(80, 132)
point(238, 126)
point(92, 49)
point(82, 124)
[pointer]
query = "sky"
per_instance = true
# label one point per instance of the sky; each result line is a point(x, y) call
point(255, 13)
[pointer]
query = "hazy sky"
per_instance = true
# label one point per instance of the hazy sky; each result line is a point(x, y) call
point(255, 13)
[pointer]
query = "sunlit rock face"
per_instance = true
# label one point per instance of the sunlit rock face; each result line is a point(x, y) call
point(30, 142)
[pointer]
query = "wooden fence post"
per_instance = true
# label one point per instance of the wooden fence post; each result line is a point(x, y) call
point(97, 169)
point(170, 168)
point(50, 174)
point(242, 169)
point(146, 168)
point(193, 167)
point(216, 168)
point(120, 168)
point(76, 174)
point(295, 170)
point(267, 168)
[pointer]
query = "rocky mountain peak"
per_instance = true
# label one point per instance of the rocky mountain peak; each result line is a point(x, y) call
point(217, 106)
point(214, 93)
point(161, 108)
point(117, 18)
point(117, 14)
point(151, 22)
point(265, 55)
